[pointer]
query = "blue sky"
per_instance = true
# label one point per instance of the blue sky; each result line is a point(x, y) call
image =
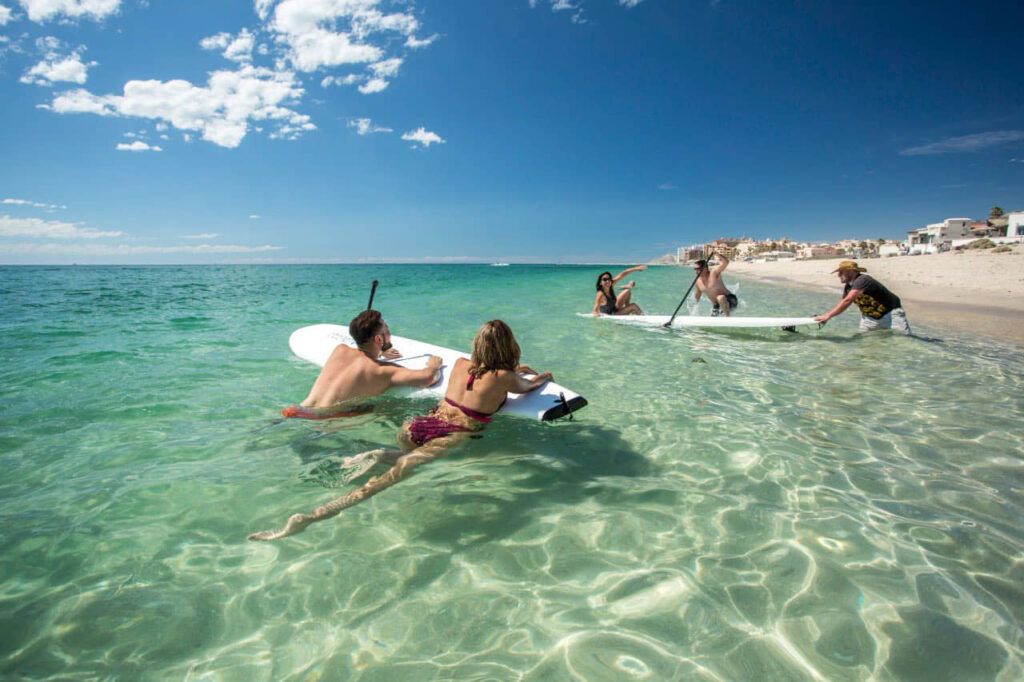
point(160, 131)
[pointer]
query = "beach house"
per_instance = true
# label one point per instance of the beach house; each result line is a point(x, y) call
point(933, 237)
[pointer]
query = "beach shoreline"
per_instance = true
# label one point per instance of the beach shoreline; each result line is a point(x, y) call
point(977, 291)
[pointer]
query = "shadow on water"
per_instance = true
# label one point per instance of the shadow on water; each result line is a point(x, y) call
point(561, 464)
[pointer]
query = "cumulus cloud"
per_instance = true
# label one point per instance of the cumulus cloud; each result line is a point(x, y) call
point(423, 137)
point(222, 112)
point(48, 229)
point(364, 126)
point(350, 79)
point(45, 10)
point(138, 146)
point(236, 48)
point(33, 204)
point(55, 67)
point(204, 235)
point(373, 85)
point(966, 143)
point(5, 15)
point(414, 43)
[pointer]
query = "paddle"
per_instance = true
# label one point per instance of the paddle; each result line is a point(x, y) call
point(373, 290)
point(686, 295)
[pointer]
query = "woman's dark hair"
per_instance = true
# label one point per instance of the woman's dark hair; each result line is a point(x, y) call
point(611, 287)
point(364, 325)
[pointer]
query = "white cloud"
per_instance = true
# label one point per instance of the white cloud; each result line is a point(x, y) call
point(634, 3)
point(422, 136)
point(966, 143)
point(364, 126)
point(33, 204)
point(5, 15)
point(255, 216)
point(221, 112)
point(45, 10)
point(54, 67)
point(665, 186)
point(236, 48)
point(350, 79)
point(48, 229)
point(387, 68)
point(204, 235)
point(324, 33)
point(138, 146)
point(414, 44)
point(373, 85)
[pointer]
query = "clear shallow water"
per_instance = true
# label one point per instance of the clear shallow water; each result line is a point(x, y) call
point(731, 505)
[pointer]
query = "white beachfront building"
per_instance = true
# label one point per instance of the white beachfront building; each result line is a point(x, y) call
point(1015, 224)
point(928, 239)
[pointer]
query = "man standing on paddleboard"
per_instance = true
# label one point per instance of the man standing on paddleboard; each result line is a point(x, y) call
point(879, 307)
point(711, 285)
point(351, 373)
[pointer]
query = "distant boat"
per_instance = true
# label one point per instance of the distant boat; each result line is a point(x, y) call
point(499, 265)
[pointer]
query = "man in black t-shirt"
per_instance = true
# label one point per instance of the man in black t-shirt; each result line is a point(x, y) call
point(879, 307)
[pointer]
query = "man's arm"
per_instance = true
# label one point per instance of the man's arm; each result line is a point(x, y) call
point(840, 307)
point(401, 376)
point(723, 263)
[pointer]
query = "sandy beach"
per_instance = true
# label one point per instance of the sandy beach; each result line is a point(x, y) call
point(976, 291)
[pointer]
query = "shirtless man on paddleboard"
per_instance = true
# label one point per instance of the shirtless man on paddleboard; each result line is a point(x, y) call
point(351, 373)
point(709, 283)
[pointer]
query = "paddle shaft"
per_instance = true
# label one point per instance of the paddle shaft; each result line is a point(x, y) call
point(373, 290)
point(686, 295)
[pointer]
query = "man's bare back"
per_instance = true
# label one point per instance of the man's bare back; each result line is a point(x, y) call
point(352, 373)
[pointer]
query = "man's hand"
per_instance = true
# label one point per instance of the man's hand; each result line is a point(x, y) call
point(392, 353)
point(821, 319)
point(525, 369)
point(541, 379)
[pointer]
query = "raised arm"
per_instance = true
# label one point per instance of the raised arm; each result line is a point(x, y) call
point(638, 268)
point(723, 263)
point(401, 376)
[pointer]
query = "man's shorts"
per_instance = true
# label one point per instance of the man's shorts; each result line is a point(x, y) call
point(894, 319)
point(732, 300)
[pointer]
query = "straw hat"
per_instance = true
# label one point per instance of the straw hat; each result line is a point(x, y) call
point(849, 265)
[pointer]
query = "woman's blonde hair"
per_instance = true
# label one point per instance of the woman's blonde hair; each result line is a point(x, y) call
point(494, 348)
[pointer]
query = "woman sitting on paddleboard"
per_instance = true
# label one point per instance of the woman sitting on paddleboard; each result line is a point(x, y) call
point(607, 303)
point(477, 388)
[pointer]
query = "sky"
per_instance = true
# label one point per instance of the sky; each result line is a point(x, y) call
point(295, 131)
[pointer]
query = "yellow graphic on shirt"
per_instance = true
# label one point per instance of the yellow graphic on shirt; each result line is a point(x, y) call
point(869, 307)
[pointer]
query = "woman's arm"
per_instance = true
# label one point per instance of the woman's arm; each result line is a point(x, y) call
point(638, 268)
point(519, 384)
point(597, 303)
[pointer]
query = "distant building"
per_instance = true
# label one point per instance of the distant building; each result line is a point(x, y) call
point(929, 239)
point(819, 251)
point(1015, 224)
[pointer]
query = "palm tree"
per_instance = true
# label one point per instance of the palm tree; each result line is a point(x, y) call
point(995, 212)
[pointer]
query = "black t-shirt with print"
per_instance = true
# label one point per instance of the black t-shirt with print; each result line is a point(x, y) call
point(876, 300)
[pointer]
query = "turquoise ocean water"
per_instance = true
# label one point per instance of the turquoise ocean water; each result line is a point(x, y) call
point(732, 505)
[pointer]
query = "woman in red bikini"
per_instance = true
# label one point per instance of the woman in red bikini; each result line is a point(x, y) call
point(478, 387)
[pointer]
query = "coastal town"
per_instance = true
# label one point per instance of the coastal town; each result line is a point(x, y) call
point(1000, 230)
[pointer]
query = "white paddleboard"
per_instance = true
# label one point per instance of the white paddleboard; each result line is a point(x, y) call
point(683, 321)
point(551, 401)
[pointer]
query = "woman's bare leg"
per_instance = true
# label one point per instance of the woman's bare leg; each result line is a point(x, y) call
point(624, 307)
point(403, 468)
